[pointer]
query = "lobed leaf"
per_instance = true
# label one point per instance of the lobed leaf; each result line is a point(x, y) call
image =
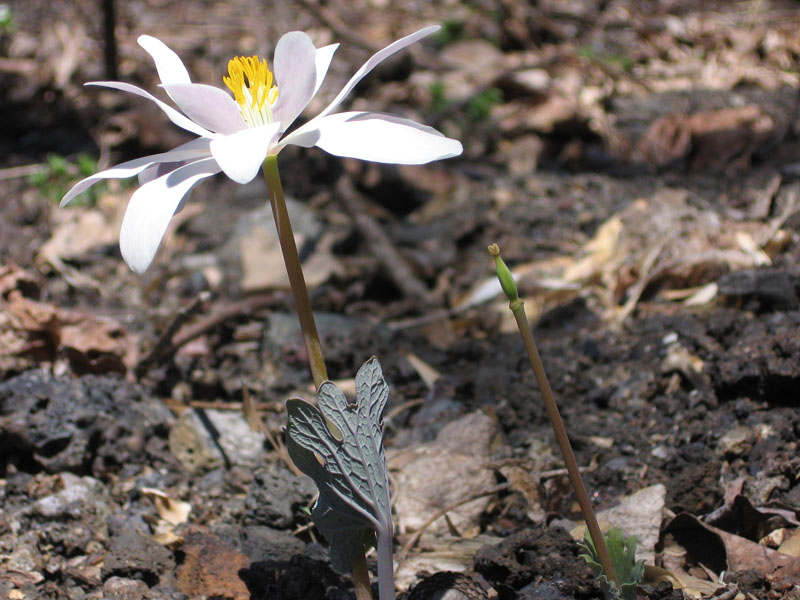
point(348, 465)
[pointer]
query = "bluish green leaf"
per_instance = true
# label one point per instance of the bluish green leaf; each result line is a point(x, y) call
point(349, 467)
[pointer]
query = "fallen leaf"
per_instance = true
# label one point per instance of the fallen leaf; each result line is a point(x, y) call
point(76, 233)
point(458, 462)
point(721, 551)
point(426, 372)
point(639, 514)
point(791, 545)
point(172, 511)
point(36, 331)
point(712, 140)
point(693, 587)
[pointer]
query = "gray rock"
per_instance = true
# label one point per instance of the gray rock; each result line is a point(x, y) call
point(275, 495)
point(262, 543)
point(133, 555)
point(735, 442)
point(119, 588)
point(254, 241)
point(205, 440)
point(348, 341)
point(76, 424)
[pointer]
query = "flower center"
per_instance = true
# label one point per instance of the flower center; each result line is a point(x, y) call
point(251, 82)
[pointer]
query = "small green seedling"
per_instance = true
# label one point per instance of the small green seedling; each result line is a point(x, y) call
point(7, 25)
point(353, 510)
point(623, 555)
point(56, 177)
point(480, 106)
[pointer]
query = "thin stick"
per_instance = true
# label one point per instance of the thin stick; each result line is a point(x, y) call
point(110, 38)
point(163, 346)
point(517, 307)
point(381, 246)
point(401, 557)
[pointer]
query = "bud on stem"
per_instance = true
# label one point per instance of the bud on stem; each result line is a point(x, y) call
point(504, 274)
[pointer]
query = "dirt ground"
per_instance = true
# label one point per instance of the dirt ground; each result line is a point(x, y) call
point(637, 162)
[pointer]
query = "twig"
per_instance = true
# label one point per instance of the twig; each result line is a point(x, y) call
point(163, 346)
point(275, 407)
point(343, 31)
point(401, 557)
point(21, 171)
point(110, 38)
point(283, 453)
point(170, 346)
point(380, 246)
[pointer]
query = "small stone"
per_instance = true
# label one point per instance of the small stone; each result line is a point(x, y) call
point(137, 556)
point(211, 568)
point(736, 442)
point(119, 588)
point(267, 544)
point(83, 499)
point(233, 442)
point(448, 585)
point(274, 495)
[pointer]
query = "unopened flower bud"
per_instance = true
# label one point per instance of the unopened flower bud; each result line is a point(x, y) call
point(504, 274)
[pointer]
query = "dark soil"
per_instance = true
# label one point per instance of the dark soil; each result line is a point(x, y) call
point(693, 396)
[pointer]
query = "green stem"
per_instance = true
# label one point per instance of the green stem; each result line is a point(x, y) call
point(297, 282)
point(295, 271)
point(517, 307)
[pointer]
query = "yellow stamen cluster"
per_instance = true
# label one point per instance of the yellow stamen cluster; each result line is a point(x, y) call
point(251, 82)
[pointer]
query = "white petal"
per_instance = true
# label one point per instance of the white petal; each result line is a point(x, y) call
point(158, 169)
point(208, 106)
point(374, 61)
point(150, 209)
point(170, 68)
point(173, 115)
point(383, 138)
point(193, 150)
point(323, 63)
point(241, 154)
point(296, 74)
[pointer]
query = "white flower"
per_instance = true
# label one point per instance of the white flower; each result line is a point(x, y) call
point(235, 135)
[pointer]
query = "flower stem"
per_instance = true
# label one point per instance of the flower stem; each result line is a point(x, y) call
point(517, 307)
point(295, 271)
point(303, 305)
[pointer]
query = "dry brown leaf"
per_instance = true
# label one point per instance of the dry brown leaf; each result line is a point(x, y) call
point(33, 330)
point(170, 510)
point(426, 372)
point(458, 461)
point(791, 545)
point(599, 254)
point(693, 587)
point(263, 267)
point(720, 550)
point(75, 233)
point(716, 139)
